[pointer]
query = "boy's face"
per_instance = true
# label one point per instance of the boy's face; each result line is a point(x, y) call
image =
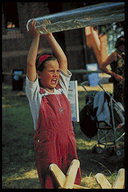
point(50, 75)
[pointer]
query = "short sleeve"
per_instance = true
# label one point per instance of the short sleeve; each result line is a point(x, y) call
point(64, 81)
point(34, 98)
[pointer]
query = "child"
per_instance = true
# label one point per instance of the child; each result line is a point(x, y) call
point(54, 138)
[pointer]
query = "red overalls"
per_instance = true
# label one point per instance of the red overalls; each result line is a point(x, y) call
point(54, 139)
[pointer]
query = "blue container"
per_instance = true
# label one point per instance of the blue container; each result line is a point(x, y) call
point(93, 78)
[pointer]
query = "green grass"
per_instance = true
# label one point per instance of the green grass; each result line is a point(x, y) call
point(18, 155)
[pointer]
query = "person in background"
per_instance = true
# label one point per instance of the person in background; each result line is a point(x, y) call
point(117, 63)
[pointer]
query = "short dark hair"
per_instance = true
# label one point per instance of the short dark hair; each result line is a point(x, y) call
point(42, 65)
point(120, 41)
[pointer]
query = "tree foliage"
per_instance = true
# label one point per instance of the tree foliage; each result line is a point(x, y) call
point(105, 29)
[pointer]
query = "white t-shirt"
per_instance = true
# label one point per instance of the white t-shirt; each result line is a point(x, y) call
point(35, 97)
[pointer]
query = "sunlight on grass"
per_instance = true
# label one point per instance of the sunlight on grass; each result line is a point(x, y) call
point(107, 87)
point(84, 144)
point(90, 182)
point(31, 174)
point(25, 180)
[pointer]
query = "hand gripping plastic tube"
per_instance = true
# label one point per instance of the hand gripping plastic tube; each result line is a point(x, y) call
point(93, 15)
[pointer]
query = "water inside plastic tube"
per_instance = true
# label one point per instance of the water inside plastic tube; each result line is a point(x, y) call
point(94, 15)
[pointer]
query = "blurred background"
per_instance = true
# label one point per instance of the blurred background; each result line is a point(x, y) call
point(16, 42)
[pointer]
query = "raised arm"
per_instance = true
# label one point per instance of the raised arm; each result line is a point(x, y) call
point(62, 59)
point(31, 68)
point(32, 54)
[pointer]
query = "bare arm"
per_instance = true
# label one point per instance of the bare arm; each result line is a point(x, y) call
point(104, 68)
point(104, 65)
point(62, 59)
point(31, 59)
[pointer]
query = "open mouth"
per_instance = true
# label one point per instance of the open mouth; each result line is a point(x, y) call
point(54, 81)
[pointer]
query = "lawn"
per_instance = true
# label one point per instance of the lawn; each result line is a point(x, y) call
point(18, 156)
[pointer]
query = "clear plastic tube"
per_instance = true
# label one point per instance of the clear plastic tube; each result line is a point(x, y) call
point(99, 14)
